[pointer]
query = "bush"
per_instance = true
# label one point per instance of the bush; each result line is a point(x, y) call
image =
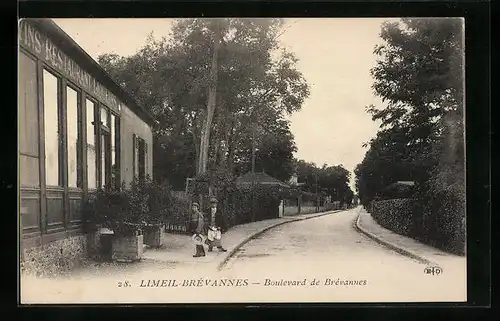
point(178, 211)
point(437, 220)
point(158, 198)
point(242, 206)
point(443, 220)
point(394, 214)
point(121, 210)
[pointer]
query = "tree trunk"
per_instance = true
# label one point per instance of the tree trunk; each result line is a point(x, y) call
point(212, 91)
point(196, 151)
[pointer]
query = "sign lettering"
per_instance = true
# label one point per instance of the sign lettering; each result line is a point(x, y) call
point(38, 43)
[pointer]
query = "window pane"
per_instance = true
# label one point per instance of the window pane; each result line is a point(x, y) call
point(51, 120)
point(103, 161)
point(114, 162)
point(91, 150)
point(28, 106)
point(113, 143)
point(28, 170)
point(104, 116)
point(28, 122)
point(73, 137)
point(136, 157)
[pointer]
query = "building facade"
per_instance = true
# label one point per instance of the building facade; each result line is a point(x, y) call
point(78, 131)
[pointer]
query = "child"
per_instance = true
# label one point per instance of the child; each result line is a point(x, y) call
point(197, 225)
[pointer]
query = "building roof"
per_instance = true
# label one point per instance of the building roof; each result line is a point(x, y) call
point(260, 178)
point(399, 187)
point(82, 57)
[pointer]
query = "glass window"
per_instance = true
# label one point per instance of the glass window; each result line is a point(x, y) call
point(140, 158)
point(74, 176)
point(51, 121)
point(91, 145)
point(104, 116)
point(136, 156)
point(113, 141)
point(103, 160)
point(115, 174)
point(28, 122)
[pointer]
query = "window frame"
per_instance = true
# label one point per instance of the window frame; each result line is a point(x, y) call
point(117, 182)
point(95, 126)
point(39, 114)
point(79, 143)
point(60, 128)
point(140, 144)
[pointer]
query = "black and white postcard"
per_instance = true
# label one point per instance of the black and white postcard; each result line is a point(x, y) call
point(242, 160)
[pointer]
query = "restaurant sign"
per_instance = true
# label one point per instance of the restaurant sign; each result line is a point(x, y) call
point(39, 44)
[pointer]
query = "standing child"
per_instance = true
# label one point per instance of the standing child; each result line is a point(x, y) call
point(197, 227)
point(216, 225)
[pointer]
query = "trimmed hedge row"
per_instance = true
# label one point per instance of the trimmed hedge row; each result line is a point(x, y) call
point(241, 206)
point(394, 214)
point(439, 222)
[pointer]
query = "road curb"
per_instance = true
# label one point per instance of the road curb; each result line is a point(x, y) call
point(251, 236)
point(390, 245)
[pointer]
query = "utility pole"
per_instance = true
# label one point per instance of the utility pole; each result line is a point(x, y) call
point(253, 176)
point(317, 198)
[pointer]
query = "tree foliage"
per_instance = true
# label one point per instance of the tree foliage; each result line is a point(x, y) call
point(257, 83)
point(327, 180)
point(419, 75)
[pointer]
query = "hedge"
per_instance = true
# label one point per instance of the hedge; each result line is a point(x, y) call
point(437, 221)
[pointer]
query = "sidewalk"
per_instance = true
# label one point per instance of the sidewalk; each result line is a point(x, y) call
point(404, 245)
point(179, 249)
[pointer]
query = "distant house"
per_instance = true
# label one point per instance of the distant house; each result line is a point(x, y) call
point(78, 131)
point(399, 189)
point(259, 178)
point(294, 180)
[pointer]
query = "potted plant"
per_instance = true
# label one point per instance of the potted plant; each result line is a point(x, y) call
point(97, 211)
point(121, 212)
point(130, 208)
point(158, 201)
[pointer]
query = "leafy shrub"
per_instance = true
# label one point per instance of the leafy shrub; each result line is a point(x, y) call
point(178, 211)
point(121, 210)
point(159, 199)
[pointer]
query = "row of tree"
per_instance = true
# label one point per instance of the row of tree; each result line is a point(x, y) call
point(327, 180)
point(221, 90)
point(419, 75)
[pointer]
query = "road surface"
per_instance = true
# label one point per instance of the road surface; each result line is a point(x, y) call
point(321, 259)
point(330, 250)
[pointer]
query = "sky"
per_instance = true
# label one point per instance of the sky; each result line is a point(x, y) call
point(335, 56)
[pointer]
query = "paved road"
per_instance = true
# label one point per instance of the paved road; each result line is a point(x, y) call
point(348, 267)
point(329, 249)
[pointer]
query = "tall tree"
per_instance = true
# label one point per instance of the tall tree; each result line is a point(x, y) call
point(171, 77)
point(419, 75)
point(211, 100)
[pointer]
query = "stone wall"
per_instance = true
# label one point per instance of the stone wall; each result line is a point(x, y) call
point(291, 210)
point(55, 257)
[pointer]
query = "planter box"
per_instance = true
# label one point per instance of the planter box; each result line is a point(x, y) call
point(128, 248)
point(153, 236)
